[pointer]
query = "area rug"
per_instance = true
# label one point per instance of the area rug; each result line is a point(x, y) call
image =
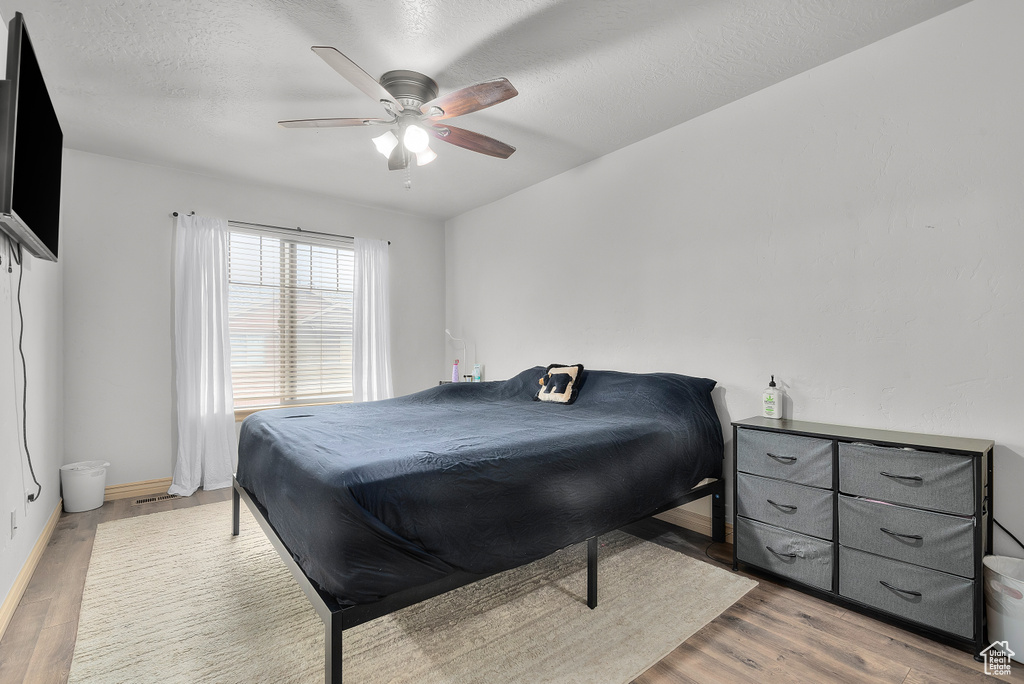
point(173, 598)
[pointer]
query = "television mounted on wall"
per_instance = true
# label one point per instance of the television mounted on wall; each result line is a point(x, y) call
point(31, 150)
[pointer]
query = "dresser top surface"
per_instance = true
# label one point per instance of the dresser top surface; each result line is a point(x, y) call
point(857, 434)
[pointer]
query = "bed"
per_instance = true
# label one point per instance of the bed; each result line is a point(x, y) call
point(379, 505)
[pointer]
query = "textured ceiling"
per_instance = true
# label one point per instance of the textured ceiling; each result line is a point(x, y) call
point(200, 84)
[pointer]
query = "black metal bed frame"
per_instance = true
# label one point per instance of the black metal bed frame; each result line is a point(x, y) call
point(338, 618)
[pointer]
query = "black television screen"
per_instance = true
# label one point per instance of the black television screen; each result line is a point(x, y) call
point(32, 150)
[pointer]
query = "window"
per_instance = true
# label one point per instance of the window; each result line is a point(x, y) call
point(290, 315)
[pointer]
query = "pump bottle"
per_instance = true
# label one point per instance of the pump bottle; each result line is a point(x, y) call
point(771, 401)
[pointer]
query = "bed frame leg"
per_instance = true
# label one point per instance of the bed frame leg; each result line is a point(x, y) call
point(235, 499)
point(718, 513)
point(332, 649)
point(592, 573)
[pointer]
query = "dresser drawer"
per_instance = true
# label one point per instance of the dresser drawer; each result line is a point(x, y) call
point(793, 506)
point(932, 598)
point(934, 540)
point(940, 482)
point(805, 460)
point(796, 556)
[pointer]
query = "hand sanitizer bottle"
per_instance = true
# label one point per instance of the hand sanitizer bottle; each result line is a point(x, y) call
point(476, 372)
point(771, 401)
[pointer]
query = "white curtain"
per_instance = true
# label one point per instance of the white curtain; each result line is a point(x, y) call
point(207, 449)
point(371, 336)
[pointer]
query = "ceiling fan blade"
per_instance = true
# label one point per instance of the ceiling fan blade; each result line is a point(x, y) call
point(469, 140)
point(351, 72)
point(471, 99)
point(332, 123)
point(399, 158)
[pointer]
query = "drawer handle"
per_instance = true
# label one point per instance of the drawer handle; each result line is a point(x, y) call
point(914, 478)
point(781, 555)
point(908, 592)
point(781, 459)
point(788, 507)
point(905, 536)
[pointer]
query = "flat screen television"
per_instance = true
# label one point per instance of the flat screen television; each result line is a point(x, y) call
point(31, 149)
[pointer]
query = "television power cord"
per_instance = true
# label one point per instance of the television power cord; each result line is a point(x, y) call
point(1007, 532)
point(707, 553)
point(19, 259)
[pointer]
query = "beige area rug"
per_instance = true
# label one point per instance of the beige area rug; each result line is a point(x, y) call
point(174, 598)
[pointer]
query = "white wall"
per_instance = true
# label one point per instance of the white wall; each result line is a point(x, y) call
point(857, 230)
point(43, 344)
point(119, 387)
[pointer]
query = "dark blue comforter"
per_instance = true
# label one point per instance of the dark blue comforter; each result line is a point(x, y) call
point(377, 497)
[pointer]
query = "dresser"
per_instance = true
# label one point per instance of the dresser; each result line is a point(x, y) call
point(891, 524)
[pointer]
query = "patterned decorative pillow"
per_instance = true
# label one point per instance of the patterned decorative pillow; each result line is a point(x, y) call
point(561, 383)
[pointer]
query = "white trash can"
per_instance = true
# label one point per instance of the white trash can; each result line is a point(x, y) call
point(84, 484)
point(1004, 601)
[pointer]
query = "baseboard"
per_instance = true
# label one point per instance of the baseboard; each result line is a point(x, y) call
point(130, 490)
point(10, 603)
point(693, 521)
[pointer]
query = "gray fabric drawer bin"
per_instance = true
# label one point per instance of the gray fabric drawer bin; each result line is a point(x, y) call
point(940, 482)
point(805, 460)
point(946, 543)
point(793, 506)
point(796, 556)
point(945, 601)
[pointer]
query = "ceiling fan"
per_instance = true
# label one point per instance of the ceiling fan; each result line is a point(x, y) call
point(415, 110)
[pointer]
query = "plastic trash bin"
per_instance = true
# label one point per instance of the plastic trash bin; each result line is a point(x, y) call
point(83, 484)
point(1004, 602)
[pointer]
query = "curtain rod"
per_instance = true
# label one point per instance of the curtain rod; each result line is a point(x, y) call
point(296, 229)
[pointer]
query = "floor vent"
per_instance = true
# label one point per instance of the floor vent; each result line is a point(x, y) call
point(153, 499)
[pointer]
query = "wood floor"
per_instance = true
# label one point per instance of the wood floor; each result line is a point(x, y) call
point(773, 634)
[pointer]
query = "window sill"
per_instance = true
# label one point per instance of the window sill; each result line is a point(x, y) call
point(243, 413)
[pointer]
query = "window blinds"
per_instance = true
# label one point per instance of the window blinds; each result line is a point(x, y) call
point(290, 313)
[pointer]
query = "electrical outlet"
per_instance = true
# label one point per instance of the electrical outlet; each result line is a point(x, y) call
point(14, 522)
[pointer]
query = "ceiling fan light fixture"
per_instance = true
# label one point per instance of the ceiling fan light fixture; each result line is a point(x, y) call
point(416, 139)
point(410, 97)
point(425, 157)
point(385, 143)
